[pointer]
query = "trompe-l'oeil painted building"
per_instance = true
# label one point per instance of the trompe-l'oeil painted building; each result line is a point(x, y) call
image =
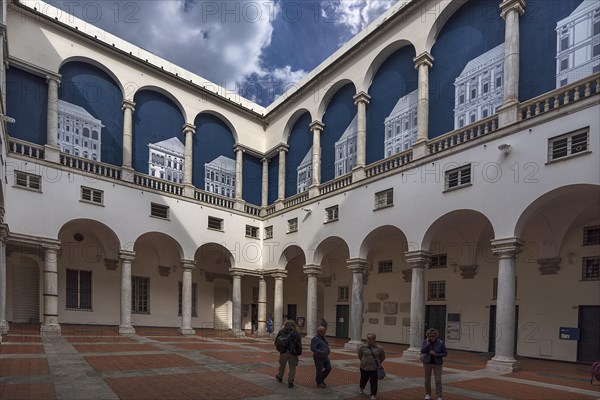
point(482, 222)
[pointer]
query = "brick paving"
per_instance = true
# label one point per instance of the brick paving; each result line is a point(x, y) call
point(92, 362)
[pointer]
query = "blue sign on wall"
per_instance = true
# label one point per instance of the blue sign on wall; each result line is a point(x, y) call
point(569, 333)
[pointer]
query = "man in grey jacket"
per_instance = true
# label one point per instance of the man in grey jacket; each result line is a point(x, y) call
point(320, 348)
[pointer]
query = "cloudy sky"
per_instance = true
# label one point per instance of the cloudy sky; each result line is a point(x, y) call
point(259, 48)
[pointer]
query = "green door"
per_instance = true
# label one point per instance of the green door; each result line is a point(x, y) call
point(435, 317)
point(342, 316)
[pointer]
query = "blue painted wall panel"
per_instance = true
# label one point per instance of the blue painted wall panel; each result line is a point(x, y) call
point(27, 103)
point(252, 183)
point(213, 138)
point(299, 142)
point(273, 179)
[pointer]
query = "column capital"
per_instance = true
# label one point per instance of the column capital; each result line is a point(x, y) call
point(55, 78)
point(189, 128)
point(423, 59)
point(126, 255)
point(507, 5)
point(362, 97)
point(238, 147)
point(507, 247)
point(236, 272)
point(312, 269)
point(264, 160)
point(48, 244)
point(4, 231)
point(128, 104)
point(418, 258)
point(283, 147)
point(357, 265)
point(279, 274)
point(188, 264)
point(317, 125)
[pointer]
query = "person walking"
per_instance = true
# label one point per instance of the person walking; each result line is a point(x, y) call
point(289, 344)
point(432, 353)
point(320, 348)
point(371, 355)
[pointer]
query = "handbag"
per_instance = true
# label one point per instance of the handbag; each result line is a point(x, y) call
point(380, 370)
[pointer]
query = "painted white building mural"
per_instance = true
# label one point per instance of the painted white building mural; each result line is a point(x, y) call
point(578, 44)
point(220, 176)
point(304, 171)
point(345, 150)
point(166, 160)
point(479, 89)
point(79, 132)
point(401, 125)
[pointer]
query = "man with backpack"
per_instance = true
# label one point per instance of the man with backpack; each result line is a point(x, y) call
point(289, 345)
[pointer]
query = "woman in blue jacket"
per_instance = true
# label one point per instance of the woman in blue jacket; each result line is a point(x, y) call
point(432, 353)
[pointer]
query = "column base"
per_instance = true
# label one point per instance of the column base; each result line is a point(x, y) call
point(239, 204)
point(126, 330)
point(238, 333)
point(412, 354)
point(189, 190)
point(503, 365)
point(50, 331)
point(353, 345)
point(51, 153)
point(419, 149)
point(127, 174)
point(358, 173)
point(279, 205)
point(508, 113)
point(3, 328)
point(187, 331)
point(313, 191)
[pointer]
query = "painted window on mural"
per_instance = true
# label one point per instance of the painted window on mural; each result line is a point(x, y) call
point(71, 118)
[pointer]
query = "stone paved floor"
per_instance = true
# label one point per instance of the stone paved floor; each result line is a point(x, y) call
point(94, 362)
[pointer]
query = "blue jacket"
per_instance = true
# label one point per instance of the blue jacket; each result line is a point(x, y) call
point(319, 347)
point(438, 347)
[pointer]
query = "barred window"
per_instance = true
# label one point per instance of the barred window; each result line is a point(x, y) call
point(591, 235)
point(438, 261)
point(79, 290)
point(590, 268)
point(343, 293)
point(140, 295)
point(29, 181)
point(269, 232)
point(568, 145)
point(159, 210)
point(331, 214)
point(194, 298)
point(384, 266)
point(384, 199)
point(92, 195)
point(436, 290)
point(215, 223)
point(251, 231)
point(458, 177)
point(292, 225)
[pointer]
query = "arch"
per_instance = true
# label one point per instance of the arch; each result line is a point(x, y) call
point(90, 229)
point(379, 59)
point(440, 21)
point(386, 231)
point(165, 93)
point(162, 242)
point(329, 248)
point(222, 118)
point(292, 253)
point(214, 257)
point(287, 130)
point(98, 65)
point(330, 91)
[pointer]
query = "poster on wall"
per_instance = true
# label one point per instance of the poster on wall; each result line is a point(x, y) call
point(79, 132)
point(219, 176)
point(578, 44)
point(166, 160)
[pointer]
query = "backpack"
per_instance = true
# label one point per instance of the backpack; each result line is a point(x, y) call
point(282, 341)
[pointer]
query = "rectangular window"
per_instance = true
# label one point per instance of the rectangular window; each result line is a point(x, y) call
point(590, 268)
point(384, 266)
point(564, 82)
point(343, 293)
point(486, 87)
point(485, 113)
point(596, 50)
point(293, 225)
point(591, 235)
point(140, 295)
point(251, 231)
point(29, 181)
point(564, 43)
point(159, 210)
point(79, 290)
point(331, 214)
point(194, 298)
point(473, 93)
point(472, 118)
point(384, 199)
point(564, 64)
point(498, 81)
point(215, 223)
point(568, 145)
point(436, 290)
point(458, 177)
point(438, 261)
point(269, 232)
point(596, 28)
point(461, 99)
point(92, 195)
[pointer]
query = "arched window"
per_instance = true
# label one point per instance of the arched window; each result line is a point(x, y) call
point(86, 132)
point(95, 135)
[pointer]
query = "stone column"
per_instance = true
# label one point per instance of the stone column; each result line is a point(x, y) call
point(316, 127)
point(278, 308)
point(239, 160)
point(281, 182)
point(423, 62)
point(265, 183)
point(262, 306)
point(51, 149)
point(50, 324)
point(126, 258)
point(3, 237)
point(504, 359)
point(417, 260)
point(127, 169)
point(311, 270)
point(358, 266)
point(188, 133)
point(237, 303)
point(361, 100)
point(186, 297)
point(511, 10)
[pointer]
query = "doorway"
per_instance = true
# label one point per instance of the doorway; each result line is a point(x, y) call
point(588, 346)
point(342, 314)
point(435, 317)
point(292, 311)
